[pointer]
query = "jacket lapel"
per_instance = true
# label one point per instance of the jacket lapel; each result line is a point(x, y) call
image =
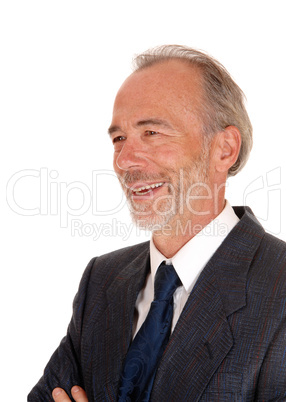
point(117, 322)
point(202, 337)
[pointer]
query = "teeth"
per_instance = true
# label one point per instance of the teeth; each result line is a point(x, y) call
point(152, 186)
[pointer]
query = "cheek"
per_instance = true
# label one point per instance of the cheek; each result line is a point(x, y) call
point(115, 166)
point(175, 156)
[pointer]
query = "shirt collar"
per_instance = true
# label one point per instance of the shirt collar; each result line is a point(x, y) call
point(190, 260)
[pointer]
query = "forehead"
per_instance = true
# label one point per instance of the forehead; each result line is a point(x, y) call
point(173, 85)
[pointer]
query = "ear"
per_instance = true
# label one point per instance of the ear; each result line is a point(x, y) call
point(226, 148)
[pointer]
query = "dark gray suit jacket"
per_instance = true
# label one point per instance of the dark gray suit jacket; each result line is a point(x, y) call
point(228, 345)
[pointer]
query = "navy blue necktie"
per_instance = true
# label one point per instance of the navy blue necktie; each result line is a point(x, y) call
point(147, 348)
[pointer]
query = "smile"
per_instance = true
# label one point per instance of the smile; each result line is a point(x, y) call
point(146, 189)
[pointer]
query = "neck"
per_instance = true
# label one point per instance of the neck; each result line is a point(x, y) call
point(172, 237)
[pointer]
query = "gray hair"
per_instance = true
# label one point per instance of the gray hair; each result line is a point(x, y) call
point(224, 104)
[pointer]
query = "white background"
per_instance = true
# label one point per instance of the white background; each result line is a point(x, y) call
point(61, 65)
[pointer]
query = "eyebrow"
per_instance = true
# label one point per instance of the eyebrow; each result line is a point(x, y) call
point(140, 123)
point(113, 129)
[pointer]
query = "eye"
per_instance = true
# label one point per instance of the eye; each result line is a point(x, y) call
point(118, 139)
point(151, 132)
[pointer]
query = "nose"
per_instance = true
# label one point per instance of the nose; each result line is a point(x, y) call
point(131, 155)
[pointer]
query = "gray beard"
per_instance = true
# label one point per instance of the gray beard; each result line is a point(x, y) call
point(156, 214)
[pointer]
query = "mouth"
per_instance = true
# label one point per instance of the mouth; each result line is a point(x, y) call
point(146, 189)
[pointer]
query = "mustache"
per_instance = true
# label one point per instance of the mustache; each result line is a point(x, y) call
point(137, 175)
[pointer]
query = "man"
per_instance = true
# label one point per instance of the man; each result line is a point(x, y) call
point(179, 128)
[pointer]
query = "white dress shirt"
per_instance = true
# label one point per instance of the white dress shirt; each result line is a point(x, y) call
point(188, 262)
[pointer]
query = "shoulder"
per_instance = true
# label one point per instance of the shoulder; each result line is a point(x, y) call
point(124, 253)
point(101, 271)
point(268, 271)
point(263, 253)
point(114, 262)
point(272, 246)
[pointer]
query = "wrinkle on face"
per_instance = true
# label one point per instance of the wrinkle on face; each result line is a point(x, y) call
point(170, 95)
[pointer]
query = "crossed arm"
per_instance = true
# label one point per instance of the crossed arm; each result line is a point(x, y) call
point(78, 395)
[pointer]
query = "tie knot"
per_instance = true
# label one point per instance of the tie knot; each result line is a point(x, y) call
point(166, 282)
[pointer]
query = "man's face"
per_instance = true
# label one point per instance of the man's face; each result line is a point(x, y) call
point(158, 143)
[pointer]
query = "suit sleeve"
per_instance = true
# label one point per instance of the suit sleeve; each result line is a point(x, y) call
point(64, 368)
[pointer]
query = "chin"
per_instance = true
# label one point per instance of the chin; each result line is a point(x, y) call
point(153, 222)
